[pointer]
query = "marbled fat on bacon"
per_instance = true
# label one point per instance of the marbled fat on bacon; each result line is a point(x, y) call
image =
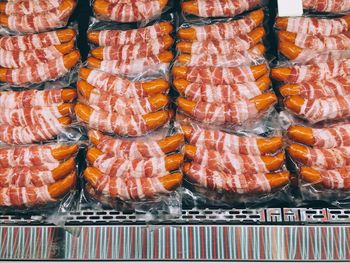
point(29, 42)
point(222, 141)
point(133, 36)
point(319, 71)
point(134, 11)
point(328, 158)
point(43, 131)
point(132, 150)
point(228, 162)
point(221, 93)
point(39, 22)
point(232, 183)
point(215, 8)
point(336, 179)
point(27, 156)
point(332, 6)
point(333, 137)
point(122, 105)
point(115, 85)
point(119, 167)
point(130, 188)
point(37, 73)
point(27, 7)
point(124, 125)
point(313, 56)
point(25, 176)
point(235, 113)
point(225, 30)
point(317, 26)
point(337, 42)
point(220, 75)
point(325, 108)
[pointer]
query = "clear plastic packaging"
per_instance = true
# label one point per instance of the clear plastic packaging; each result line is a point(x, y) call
point(328, 6)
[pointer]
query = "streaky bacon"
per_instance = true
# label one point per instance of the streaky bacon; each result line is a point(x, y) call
point(337, 42)
point(332, 6)
point(335, 179)
point(27, 7)
point(332, 137)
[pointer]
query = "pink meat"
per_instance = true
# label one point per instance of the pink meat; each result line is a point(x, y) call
point(27, 7)
point(337, 42)
point(336, 179)
point(332, 6)
point(337, 136)
point(313, 56)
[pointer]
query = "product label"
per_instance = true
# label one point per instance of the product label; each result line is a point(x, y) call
point(290, 8)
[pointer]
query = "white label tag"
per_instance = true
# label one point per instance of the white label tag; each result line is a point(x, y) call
point(290, 7)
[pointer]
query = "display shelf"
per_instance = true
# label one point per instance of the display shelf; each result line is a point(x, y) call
point(236, 234)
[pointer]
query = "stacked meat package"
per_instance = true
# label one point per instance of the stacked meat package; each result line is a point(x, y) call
point(37, 155)
point(315, 86)
point(222, 77)
point(123, 91)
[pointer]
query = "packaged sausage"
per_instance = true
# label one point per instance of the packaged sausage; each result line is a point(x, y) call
point(328, 6)
point(23, 17)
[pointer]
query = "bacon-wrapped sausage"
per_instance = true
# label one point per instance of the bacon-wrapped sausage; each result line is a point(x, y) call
point(234, 183)
point(126, 37)
point(317, 110)
point(220, 75)
point(332, 6)
point(221, 141)
point(36, 41)
point(233, 59)
point(320, 158)
point(119, 167)
point(313, 25)
point(134, 51)
point(31, 195)
point(132, 68)
point(124, 125)
point(216, 8)
point(35, 98)
point(40, 72)
point(131, 188)
point(46, 129)
point(27, 7)
point(32, 116)
point(36, 155)
point(338, 179)
point(233, 163)
point(304, 56)
point(135, 150)
point(312, 72)
point(223, 30)
point(223, 47)
point(130, 11)
point(32, 23)
point(336, 136)
point(339, 86)
point(34, 175)
point(234, 114)
point(123, 105)
point(337, 42)
point(222, 93)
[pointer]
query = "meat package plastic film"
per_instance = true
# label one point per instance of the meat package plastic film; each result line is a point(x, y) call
point(327, 6)
point(23, 17)
point(234, 169)
point(136, 11)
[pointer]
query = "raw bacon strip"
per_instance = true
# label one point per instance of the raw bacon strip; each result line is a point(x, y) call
point(43, 131)
point(313, 72)
point(133, 36)
point(27, 156)
point(337, 42)
point(233, 183)
point(337, 136)
point(17, 59)
point(119, 167)
point(217, 8)
point(313, 56)
point(337, 179)
point(28, 7)
point(129, 11)
point(26, 176)
point(30, 98)
point(332, 6)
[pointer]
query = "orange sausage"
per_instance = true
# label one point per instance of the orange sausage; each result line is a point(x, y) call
point(63, 169)
point(301, 134)
point(66, 47)
point(60, 188)
point(66, 109)
point(68, 95)
point(180, 72)
point(265, 145)
point(254, 37)
point(286, 36)
point(298, 152)
point(310, 175)
point(272, 163)
point(66, 35)
point(157, 101)
point(64, 151)
point(190, 33)
point(281, 74)
point(263, 84)
point(164, 57)
point(290, 90)
point(294, 103)
point(289, 50)
point(172, 162)
point(65, 121)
